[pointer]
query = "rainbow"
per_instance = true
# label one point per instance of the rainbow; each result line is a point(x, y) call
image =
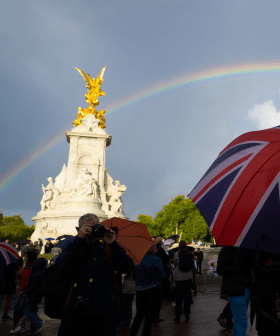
point(231, 71)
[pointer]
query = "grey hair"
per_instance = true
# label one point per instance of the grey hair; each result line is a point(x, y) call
point(88, 216)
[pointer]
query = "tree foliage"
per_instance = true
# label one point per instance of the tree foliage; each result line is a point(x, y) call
point(14, 228)
point(181, 211)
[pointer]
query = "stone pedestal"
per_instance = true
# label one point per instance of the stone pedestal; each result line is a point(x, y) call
point(83, 186)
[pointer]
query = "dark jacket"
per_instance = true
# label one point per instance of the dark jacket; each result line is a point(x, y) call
point(233, 282)
point(149, 273)
point(163, 256)
point(48, 248)
point(80, 257)
point(31, 290)
point(247, 264)
point(199, 255)
point(3, 268)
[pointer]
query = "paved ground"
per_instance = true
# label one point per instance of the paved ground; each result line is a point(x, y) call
point(203, 319)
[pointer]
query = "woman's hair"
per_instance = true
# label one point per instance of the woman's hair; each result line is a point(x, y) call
point(152, 249)
point(183, 247)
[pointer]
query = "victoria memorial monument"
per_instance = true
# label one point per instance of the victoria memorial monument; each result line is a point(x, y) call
point(84, 185)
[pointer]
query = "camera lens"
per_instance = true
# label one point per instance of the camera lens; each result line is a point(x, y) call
point(98, 231)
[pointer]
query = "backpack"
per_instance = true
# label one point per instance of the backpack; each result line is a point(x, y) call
point(265, 290)
point(56, 288)
point(186, 262)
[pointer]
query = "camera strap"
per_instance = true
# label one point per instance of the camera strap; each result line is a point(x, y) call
point(108, 257)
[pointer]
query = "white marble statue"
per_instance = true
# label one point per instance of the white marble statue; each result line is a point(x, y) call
point(85, 185)
point(49, 196)
point(116, 191)
point(48, 230)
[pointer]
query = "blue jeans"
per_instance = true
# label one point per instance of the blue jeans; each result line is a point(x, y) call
point(126, 312)
point(183, 289)
point(30, 312)
point(239, 307)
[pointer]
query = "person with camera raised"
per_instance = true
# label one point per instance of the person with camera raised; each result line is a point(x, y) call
point(89, 308)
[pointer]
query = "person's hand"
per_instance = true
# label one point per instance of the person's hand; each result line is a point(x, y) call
point(84, 231)
point(109, 237)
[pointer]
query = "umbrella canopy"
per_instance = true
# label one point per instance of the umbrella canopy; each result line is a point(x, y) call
point(212, 261)
point(65, 242)
point(63, 237)
point(238, 196)
point(133, 237)
point(168, 241)
point(9, 253)
point(49, 239)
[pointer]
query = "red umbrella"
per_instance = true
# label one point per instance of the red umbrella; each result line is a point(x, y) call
point(133, 237)
point(238, 196)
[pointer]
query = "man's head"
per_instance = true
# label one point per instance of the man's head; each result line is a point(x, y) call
point(199, 239)
point(88, 218)
point(198, 249)
point(7, 241)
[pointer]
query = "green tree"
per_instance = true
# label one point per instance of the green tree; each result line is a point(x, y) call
point(182, 212)
point(149, 222)
point(14, 228)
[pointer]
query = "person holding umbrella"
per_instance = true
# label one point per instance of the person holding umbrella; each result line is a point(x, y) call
point(234, 287)
point(261, 266)
point(148, 276)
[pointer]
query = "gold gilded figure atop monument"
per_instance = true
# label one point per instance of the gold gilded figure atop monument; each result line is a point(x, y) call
point(94, 91)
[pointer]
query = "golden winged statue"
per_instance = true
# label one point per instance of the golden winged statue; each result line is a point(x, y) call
point(94, 91)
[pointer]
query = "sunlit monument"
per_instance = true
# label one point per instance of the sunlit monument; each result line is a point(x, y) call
point(84, 185)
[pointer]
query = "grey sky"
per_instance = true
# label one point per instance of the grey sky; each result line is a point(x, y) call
point(160, 147)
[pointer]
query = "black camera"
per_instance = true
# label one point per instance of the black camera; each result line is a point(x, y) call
point(98, 231)
point(82, 303)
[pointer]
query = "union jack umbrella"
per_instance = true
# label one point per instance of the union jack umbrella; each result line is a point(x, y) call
point(239, 194)
point(9, 253)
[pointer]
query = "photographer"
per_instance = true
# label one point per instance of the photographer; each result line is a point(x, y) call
point(89, 308)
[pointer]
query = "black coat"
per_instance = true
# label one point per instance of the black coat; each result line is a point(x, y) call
point(163, 256)
point(233, 282)
point(3, 268)
point(48, 248)
point(80, 257)
point(199, 255)
point(31, 290)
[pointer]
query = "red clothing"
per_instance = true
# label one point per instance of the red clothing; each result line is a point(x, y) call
point(26, 272)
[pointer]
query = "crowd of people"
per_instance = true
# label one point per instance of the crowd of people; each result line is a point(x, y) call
point(158, 275)
point(100, 283)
